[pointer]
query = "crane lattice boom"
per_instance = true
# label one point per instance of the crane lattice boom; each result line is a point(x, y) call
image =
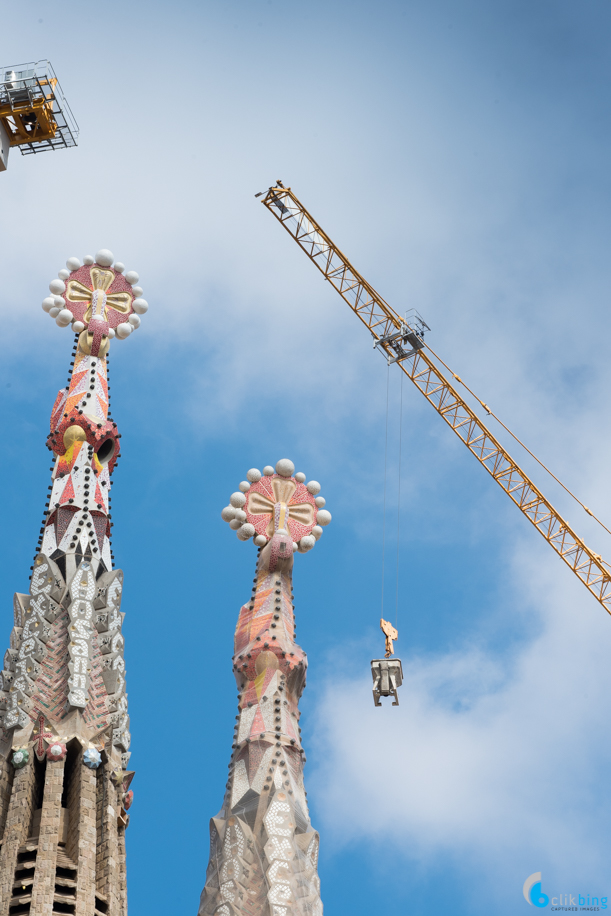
point(402, 342)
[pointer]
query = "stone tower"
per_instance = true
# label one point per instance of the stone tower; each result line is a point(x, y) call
point(64, 735)
point(263, 850)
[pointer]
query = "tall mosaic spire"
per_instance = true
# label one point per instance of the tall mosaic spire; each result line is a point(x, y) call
point(263, 850)
point(64, 734)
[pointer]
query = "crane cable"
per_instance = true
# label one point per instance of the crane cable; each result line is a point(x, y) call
point(491, 413)
point(399, 503)
point(398, 496)
point(384, 501)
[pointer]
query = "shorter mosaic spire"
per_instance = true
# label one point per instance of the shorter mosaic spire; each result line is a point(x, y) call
point(264, 852)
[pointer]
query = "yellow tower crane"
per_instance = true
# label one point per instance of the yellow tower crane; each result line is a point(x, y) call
point(34, 115)
point(402, 341)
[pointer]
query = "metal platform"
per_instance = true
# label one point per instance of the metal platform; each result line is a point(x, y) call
point(34, 114)
point(407, 341)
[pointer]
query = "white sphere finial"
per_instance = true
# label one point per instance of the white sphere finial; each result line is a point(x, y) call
point(104, 257)
point(285, 467)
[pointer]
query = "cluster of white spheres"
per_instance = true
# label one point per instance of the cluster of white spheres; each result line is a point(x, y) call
point(55, 304)
point(235, 515)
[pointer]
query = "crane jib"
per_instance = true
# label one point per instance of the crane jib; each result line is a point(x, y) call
point(393, 336)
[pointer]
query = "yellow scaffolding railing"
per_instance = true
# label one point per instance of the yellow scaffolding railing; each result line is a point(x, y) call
point(34, 114)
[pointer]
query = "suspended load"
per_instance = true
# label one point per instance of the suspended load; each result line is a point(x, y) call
point(387, 672)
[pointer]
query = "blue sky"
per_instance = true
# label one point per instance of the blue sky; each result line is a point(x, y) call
point(458, 153)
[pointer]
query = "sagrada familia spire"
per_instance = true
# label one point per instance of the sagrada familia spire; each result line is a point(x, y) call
point(64, 734)
point(263, 850)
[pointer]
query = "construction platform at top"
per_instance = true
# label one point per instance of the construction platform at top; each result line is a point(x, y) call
point(34, 114)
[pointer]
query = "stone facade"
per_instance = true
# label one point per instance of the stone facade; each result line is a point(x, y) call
point(64, 726)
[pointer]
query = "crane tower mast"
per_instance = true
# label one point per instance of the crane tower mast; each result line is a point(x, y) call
point(402, 343)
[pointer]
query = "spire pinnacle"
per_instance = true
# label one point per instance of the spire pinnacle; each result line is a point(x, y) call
point(278, 506)
point(98, 298)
